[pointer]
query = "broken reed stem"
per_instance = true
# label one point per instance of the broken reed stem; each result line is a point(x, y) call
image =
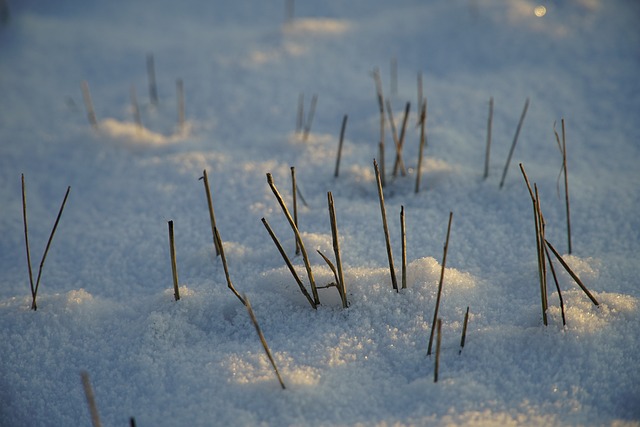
point(539, 247)
point(312, 111)
point(336, 250)
point(396, 141)
point(26, 240)
point(135, 107)
point(438, 342)
point(289, 264)
point(305, 257)
point(91, 399)
point(174, 264)
point(380, 95)
point(423, 142)
point(464, 330)
point(46, 250)
point(226, 268)
point(573, 275)
point(563, 151)
point(88, 103)
point(295, 204)
point(151, 77)
point(212, 217)
point(555, 279)
point(444, 263)
point(263, 340)
point(393, 72)
point(180, 97)
point(401, 141)
point(383, 211)
point(488, 150)
point(342, 130)
point(515, 140)
point(404, 248)
point(543, 263)
point(300, 115)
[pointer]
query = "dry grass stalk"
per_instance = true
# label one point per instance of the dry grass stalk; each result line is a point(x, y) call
point(289, 263)
point(444, 263)
point(423, 142)
point(563, 151)
point(135, 107)
point(333, 269)
point(305, 257)
point(300, 115)
point(88, 103)
point(420, 96)
point(342, 130)
point(34, 288)
point(401, 141)
point(342, 286)
point(180, 97)
point(382, 171)
point(312, 111)
point(404, 248)
point(212, 216)
point(573, 275)
point(383, 211)
point(263, 340)
point(380, 95)
point(488, 150)
point(515, 140)
point(226, 268)
point(464, 330)
point(396, 140)
point(295, 203)
point(543, 263)
point(539, 246)
point(555, 279)
point(438, 345)
point(91, 399)
point(174, 264)
point(151, 77)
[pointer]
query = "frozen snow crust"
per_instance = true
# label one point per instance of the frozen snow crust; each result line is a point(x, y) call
point(106, 304)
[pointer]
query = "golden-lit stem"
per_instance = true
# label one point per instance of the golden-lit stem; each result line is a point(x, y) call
point(444, 263)
point(387, 239)
point(174, 264)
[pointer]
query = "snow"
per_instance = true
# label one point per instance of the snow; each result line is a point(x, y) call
point(106, 305)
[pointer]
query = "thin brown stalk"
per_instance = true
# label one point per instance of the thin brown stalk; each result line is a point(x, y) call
point(555, 279)
point(444, 263)
point(380, 95)
point(263, 340)
point(404, 248)
point(180, 96)
point(401, 141)
point(396, 140)
point(305, 257)
point(151, 77)
point(382, 171)
point(46, 250)
point(91, 399)
point(26, 238)
point(135, 107)
point(289, 263)
point(342, 286)
point(539, 248)
point(438, 344)
point(563, 151)
point(334, 271)
point(420, 96)
point(543, 263)
point(573, 275)
point(212, 216)
point(226, 268)
point(295, 203)
point(488, 150)
point(174, 264)
point(342, 130)
point(312, 111)
point(88, 103)
point(300, 115)
point(423, 142)
point(383, 211)
point(464, 330)
point(513, 144)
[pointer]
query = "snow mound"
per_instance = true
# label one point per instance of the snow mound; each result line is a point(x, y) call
point(317, 26)
point(131, 133)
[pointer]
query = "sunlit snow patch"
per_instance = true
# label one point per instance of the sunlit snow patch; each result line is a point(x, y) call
point(584, 317)
point(132, 133)
point(252, 368)
point(316, 26)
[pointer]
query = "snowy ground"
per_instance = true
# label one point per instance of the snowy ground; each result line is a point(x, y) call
point(106, 299)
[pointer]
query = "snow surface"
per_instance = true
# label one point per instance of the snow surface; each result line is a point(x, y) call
point(106, 299)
